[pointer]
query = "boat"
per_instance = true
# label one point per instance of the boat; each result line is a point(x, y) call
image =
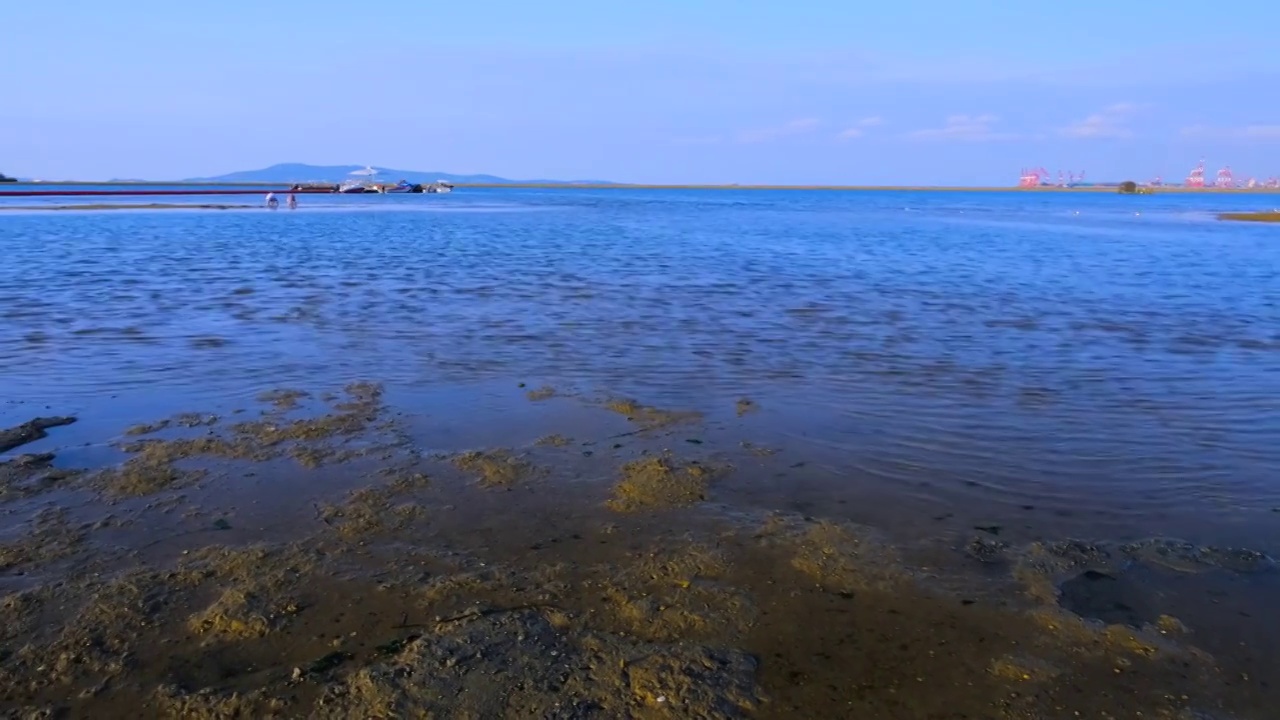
point(314, 187)
point(360, 184)
point(356, 187)
point(404, 186)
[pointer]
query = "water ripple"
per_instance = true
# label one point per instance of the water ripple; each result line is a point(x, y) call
point(1000, 344)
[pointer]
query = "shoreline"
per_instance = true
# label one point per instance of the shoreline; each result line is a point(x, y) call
point(697, 186)
point(881, 188)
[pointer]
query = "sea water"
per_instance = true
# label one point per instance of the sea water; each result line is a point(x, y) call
point(1085, 363)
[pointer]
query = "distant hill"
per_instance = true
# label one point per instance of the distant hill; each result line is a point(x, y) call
point(299, 172)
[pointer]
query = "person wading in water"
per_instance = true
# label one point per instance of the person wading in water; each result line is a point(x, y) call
point(293, 201)
point(272, 202)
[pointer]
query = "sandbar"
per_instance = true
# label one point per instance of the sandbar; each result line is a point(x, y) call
point(132, 206)
point(1266, 216)
point(858, 188)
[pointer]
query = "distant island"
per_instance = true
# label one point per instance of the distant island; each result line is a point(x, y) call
point(6, 178)
point(299, 172)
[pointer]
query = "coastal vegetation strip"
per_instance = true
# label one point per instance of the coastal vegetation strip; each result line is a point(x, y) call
point(1267, 216)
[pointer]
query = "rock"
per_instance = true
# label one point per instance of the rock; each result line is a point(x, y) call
point(30, 431)
point(1111, 599)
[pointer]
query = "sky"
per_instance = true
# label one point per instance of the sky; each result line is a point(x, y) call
point(681, 91)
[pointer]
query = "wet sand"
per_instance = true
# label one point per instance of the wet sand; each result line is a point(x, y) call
point(313, 555)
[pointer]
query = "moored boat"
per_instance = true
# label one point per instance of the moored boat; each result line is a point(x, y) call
point(361, 183)
point(314, 187)
point(404, 186)
point(356, 187)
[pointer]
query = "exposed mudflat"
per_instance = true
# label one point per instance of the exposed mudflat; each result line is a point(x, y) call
point(314, 556)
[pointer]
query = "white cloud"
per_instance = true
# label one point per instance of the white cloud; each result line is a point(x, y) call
point(858, 129)
point(1247, 132)
point(1110, 122)
point(795, 127)
point(970, 128)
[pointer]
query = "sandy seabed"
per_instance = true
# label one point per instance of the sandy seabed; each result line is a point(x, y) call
point(309, 558)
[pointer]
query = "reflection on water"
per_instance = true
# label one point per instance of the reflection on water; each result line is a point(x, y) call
point(1086, 354)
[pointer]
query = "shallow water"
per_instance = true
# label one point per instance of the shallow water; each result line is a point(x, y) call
point(1087, 364)
point(947, 425)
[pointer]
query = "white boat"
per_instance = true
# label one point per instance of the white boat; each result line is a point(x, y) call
point(358, 186)
point(362, 183)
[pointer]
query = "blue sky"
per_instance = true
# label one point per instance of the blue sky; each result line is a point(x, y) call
point(750, 91)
